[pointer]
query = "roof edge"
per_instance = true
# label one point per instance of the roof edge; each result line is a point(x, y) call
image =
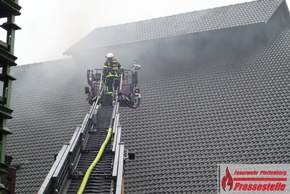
point(72, 49)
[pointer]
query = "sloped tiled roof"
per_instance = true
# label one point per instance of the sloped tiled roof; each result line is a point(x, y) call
point(186, 23)
point(189, 122)
point(48, 103)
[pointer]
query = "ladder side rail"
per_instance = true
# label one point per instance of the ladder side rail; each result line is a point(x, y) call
point(119, 183)
point(117, 154)
point(67, 157)
point(47, 185)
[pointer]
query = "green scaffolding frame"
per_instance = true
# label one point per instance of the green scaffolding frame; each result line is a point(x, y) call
point(8, 10)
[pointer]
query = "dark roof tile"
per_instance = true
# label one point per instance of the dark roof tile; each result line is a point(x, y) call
point(186, 23)
point(190, 122)
point(48, 103)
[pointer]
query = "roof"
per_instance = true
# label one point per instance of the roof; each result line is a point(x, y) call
point(190, 121)
point(232, 111)
point(186, 23)
point(48, 103)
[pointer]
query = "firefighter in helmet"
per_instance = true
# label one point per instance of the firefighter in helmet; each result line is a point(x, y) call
point(112, 69)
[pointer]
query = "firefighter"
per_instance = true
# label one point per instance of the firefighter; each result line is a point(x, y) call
point(112, 69)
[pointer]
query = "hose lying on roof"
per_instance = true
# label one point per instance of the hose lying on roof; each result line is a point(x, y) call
point(95, 162)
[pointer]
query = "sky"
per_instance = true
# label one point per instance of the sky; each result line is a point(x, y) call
point(49, 27)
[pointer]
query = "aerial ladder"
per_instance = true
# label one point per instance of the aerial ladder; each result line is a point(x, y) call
point(93, 160)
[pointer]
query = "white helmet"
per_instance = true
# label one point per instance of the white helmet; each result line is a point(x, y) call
point(109, 55)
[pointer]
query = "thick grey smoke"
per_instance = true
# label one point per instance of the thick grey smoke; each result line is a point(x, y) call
point(43, 93)
point(201, 50)
point(50, 27)
point(41, 100)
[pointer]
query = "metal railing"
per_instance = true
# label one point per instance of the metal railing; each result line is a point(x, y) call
point(67, 157)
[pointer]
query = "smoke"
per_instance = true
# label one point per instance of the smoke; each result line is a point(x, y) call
point(41, 100)
point(46, 94)
point(51, 27)
point(202, 51)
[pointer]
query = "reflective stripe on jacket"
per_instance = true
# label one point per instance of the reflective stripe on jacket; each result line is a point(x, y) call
point(112, 68)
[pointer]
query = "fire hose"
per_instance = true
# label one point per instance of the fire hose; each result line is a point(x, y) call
point(95, 162)
point(127, 101)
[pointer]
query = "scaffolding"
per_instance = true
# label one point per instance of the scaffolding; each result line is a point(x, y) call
point(8, 10)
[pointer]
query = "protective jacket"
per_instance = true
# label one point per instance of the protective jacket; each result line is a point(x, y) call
point(112, 68)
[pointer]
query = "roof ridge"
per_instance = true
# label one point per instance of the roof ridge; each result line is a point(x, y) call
point(178, 14)
point(44, 62)
point(280, 2)
point(251, 12)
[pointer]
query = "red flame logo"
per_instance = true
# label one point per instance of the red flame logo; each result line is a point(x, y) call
point(227, 180)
